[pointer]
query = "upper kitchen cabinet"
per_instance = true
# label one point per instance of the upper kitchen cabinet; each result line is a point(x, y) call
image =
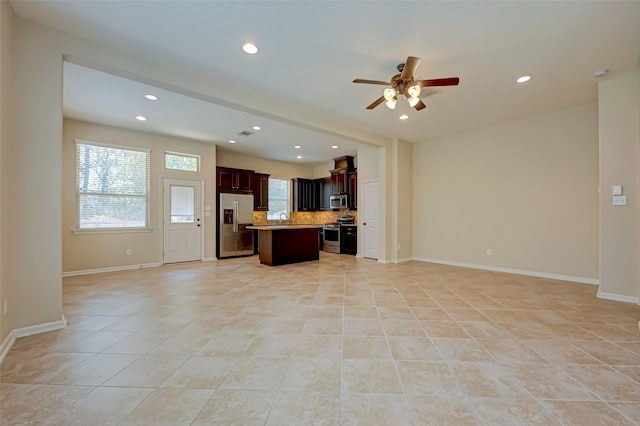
point(306, 194)
point(353, 190)
point(326, 191)
point(233, 179)
point(260, 192)
point(345, 179)
point(340, 181)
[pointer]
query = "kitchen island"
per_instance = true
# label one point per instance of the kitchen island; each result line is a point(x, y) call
point(287, 243)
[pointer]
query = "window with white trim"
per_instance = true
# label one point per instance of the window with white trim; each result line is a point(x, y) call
point(112, 186)
point(178, 161)
point(278, 199)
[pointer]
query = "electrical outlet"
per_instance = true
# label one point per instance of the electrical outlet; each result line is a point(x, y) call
point(128, 252)
point(488, 252)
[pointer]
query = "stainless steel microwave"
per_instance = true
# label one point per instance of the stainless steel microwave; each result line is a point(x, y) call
point(339, 201)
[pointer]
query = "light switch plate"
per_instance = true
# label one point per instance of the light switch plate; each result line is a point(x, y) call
point(619, 200)
point(617, 190)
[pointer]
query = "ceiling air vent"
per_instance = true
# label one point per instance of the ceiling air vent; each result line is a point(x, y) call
point(245, 133)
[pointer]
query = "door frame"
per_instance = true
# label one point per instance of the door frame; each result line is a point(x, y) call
point(201, 212)
point(361, 219)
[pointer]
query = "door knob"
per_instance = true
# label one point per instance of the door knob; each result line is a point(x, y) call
point(364, 224)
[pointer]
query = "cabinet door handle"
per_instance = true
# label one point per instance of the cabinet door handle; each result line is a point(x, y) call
point(365, 224)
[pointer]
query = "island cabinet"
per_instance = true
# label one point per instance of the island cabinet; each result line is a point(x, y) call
point(349, 239)
point(283, 244)
point(260, 187)
point(233, 179)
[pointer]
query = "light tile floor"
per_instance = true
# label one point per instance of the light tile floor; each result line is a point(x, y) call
point(338, 341)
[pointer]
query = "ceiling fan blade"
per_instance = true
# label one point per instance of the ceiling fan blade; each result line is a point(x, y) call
point(376, 102)
point(384, 83)
point(410, 67)
point(420, 105)
point(452, 81)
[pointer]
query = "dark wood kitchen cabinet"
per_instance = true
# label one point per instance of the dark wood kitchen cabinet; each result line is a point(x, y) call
point(260, 192)
point(349, 239)
point(353, 190)
point(326, 191)
point(340, 181)
point(233, 179)
point(306, 194)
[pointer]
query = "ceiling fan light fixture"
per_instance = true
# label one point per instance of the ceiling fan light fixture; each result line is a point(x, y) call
point(404, 117)
point(391, 103)
point(390, 93)
point(413, 101)
point(414, 91)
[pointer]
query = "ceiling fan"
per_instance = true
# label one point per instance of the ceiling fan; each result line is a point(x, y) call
point(403, 84)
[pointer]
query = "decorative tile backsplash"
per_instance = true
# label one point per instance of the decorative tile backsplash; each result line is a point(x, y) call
point(260, 218)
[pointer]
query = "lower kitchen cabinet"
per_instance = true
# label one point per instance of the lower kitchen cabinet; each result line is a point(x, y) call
point(349, 239)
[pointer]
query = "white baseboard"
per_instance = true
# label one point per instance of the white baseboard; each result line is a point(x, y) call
point(40, 328)
point(6, 345)
point(111, 269)
point(8, 341)
point(618, 297)
point(581, 280)
point(209, 259)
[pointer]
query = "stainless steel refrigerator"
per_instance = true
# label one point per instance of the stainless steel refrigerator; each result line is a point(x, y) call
point(236, 213)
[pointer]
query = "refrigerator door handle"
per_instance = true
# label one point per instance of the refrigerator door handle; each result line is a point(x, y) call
point(235, 216)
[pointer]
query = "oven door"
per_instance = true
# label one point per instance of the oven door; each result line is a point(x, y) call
point(331, 241)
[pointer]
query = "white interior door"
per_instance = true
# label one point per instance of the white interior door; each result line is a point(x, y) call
point(370, 210)
point(182, 221)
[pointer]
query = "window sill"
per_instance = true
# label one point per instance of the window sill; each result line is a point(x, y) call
point(109, 230)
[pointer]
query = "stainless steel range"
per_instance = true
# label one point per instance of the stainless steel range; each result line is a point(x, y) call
point(331, 232)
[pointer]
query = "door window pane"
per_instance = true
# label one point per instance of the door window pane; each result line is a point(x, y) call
point(182, 204)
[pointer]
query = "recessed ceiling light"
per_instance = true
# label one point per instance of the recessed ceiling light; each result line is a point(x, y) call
point(334, 146)
point(250, 48)
point(151, 97)
point(404, 117)
point(524, 79)
point(141, 118)
point(296, 146)
point(299, 157)
point(256, 127)
point(232, 141)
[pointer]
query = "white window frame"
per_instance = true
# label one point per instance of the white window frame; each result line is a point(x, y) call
point(181, 154)
point(288, 198)
point(118, 229)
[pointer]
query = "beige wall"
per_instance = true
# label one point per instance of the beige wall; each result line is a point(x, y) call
point(6, 168)
point(404, 193)
point(528, 190)
point(36, 241)
point(277, 169)
point(91, 251)
point(619, 164)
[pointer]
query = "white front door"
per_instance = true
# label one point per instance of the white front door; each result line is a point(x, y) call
point(182, 221)
point(370, 210)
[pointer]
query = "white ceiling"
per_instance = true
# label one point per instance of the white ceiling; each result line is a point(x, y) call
point(310, 51)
